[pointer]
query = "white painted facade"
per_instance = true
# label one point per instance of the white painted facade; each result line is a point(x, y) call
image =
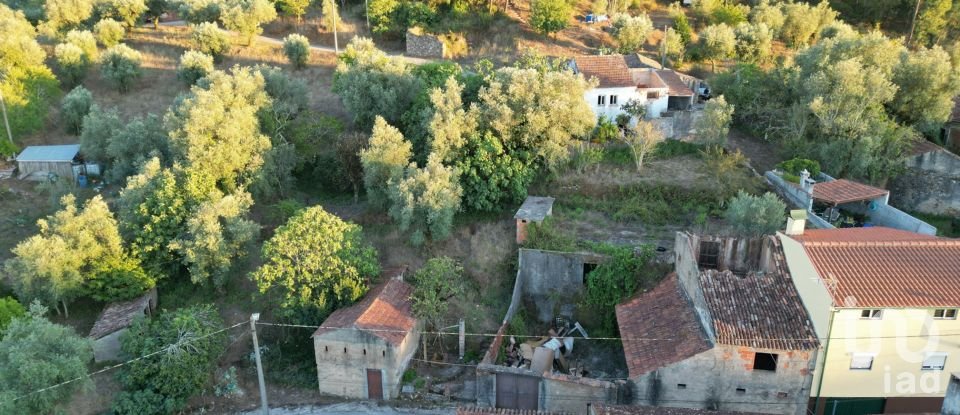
point(609, 101)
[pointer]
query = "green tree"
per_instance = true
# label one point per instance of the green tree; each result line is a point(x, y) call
point(753, 216)
point(932, 21)
point(295, 8)
point(372, 84)
point(108, 32)
point(73, 64)
point(631, 32)
point(189, 342)
point(85, 40)
point(435, 286)
point(132, 145)
point(67, 14)
point(713, 126)
point(550, 16)
point(450, 123)
point(768, 14)
point(384, 161)
point(74, 107)
point(198, 11)
point(674, 47)
point(491, 174)
point(331, 14)
point(121, 66)
point(193, 66)
point(118, 281)
point(799, 25)
point(53, 265)
point(615, 280)
point(349, 147)
point(314, 264)
point(754, 42)
point(642, 139)
point(927, 83)
point(682, 26)
point(208, 38)
point(38, 354)
point(717, 43)
point(380, 13)
point(425, 200)
point(297, 49)
point(247, 16)
point(156, 9)
point(215, 236)
point(97, 128)
point(126, 11)
point(730, 14)
point(10, 309)
point(27, 85)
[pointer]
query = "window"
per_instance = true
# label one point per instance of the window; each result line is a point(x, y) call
point(344, 349)
point(765, 361)
point(934, 361)
point(602, 100)
point(384, 353)
point(613, 100)
point(709, 251)
point(364, 352)
point(782, 395)
point(861, 361)
point(871, 314)
point(326, 348)
point(587, 269)
point(681, 386)
point(945, 314)
point(653, 95)
point(741, 391)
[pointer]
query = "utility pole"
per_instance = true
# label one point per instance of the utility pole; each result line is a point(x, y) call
point(913, 23)
point(366, 5)
point(256, 351)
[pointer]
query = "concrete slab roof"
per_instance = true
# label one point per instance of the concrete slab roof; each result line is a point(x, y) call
point(66, 152)
point(535, 208)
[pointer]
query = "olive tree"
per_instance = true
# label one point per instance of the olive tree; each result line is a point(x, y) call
point(108, 32)
point(126, 11)
point(631, 32)
point(642, 139)
point(67, 14)
point(121, 66)
point(296, 8)
point(927, 83)
point(717, 42)
point(198, 11)
point(752, 216)
point(372, 84)
point(85, 40)
point(436, 285)
point(384, 160)
point(208, 38)
point(550, 16)
point(72, 63)
point(247, 16)
point(754, 42)
point(27, 85)
point(297, 49)
point(714, 125)
point(98, 127)
point(193, 66)
point(74, 107)
point(425, 200)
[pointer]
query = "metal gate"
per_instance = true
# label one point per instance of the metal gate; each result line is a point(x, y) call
point(374, 384)
point(518, 392)
point(853, 406)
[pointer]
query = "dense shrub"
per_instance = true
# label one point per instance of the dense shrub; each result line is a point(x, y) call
point(193, 66)
point(208, 38)
point(74, 107)
point(120, 65)
point(751, 215)
point(72, 63)
point(793, 167)
point(297, 49)
point(108, 32)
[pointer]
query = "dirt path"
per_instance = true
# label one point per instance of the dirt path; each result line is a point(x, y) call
point(763, 155)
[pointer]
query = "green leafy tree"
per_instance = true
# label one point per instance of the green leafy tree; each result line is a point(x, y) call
point(198, 11)
point(682, 26)
point(297, 49)
point(927, 82)
point(247, 16)
point(717, 43)
point(754, 42)
point(799, 25)
point(121, 66)
point(118, 280)
point(768, 14)
point(215, 236)
point(731, 14)
point(425, 200)
point(331, 14)
point(932, 21)
point(38, 354)
point(491, 174)
point(372, 84)
point(67, 14)
point(97, 128)
point(349, 147)
point(86, 41)
point(108, 32)
point(53, 265)
point(380, 13)
point(74, 107)
point(314, 264)
point(156, 9)
point(208, 38)
point(295, 8)
point(190, 343)
point(631, 32)
point(703, 10)
point(642, 139)
point(384, 161)
point(193, 66)
point(714, 125)
point(615, 280)
point(550, 16)
point(72, 63)
point(450, 124)
point(126, 11)
point(10, 309)
point(755, 215)
point(436, 285)
point(132, 145)
point(27, 85)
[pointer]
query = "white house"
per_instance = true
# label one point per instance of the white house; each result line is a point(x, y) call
point(618, 84)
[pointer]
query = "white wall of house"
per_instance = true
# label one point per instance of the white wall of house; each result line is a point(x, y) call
point(599, 100)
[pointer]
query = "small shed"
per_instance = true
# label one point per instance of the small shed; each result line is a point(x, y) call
point(362, 350)
point(114, 321)
point(40, 162)
point(534, 209)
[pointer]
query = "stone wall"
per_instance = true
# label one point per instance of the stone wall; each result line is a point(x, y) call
point(677, 125)
point(424, 45)
point(558, 393)
point(343, 357)
point(931, 184)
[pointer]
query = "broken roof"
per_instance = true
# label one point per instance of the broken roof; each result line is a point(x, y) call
point(604, 409)
point(659, 327)
point(120, 315)
point(66, 152)
point(759, 310)
point(384, 312)
point(535, 208)
point(610, 70)
point(677, 88)
point(883, 267)
point(845, 191)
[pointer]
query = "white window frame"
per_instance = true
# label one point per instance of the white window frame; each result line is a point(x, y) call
point(862, 356)
point(945, 314)
point(601, 100)
point(941, 356)
point(871, 314)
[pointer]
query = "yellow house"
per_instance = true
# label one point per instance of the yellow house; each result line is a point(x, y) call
point(884, 304)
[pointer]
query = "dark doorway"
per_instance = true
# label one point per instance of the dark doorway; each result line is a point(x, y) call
point(374, 384)
point(765, 361)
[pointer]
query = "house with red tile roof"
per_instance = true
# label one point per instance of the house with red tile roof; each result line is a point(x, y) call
point(884, 304)
point(726, 330)
point(618, 84)
point(362, 350)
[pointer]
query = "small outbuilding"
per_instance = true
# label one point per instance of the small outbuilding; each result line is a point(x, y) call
point(363, 350)
point(534, 209)
point(114, 321)
point(42, 162)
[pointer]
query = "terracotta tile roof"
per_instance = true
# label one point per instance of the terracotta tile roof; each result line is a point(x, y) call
point(384, 311)
point(845, 191)
point(610, 70)
point(120, 315)
point(659, 327)
point(604, 409)
point(678, 88)
point(475, 410)
point(758, 310)
point(883, 267)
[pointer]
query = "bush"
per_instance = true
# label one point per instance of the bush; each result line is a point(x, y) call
point(796, 165)
point(118, 281)
point(8, 149)
point(74, 107)
point(755, 215)
point(84, 40)
point(454, 45)
point(297, 49)
point(10, 309)
point(120, 65)
point(72, 63)
point(208, 38)
point(108, 32)
point(675, 148)
point(193, 66)
point(605, 131)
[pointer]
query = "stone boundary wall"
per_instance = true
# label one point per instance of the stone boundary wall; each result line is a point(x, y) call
point(424, 45)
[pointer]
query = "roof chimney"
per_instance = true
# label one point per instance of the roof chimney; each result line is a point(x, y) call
point(796, 222)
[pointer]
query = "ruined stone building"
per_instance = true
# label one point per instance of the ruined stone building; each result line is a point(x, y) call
point(727, 331)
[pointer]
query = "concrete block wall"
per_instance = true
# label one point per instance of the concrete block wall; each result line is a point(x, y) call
point(931, 184)
point(343, 357)
point(546, 277)
point(423, 45)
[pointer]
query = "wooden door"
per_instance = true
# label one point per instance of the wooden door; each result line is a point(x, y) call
point(518, 392)
point(374, 384)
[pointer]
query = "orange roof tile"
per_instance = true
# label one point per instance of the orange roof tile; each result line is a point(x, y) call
point(659, 327)
point(845, 191)
point(384, 312)
point(883, 267)
point(610, 70)
point(678, 88)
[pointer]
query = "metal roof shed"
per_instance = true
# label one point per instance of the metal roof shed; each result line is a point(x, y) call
point(37, 162)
